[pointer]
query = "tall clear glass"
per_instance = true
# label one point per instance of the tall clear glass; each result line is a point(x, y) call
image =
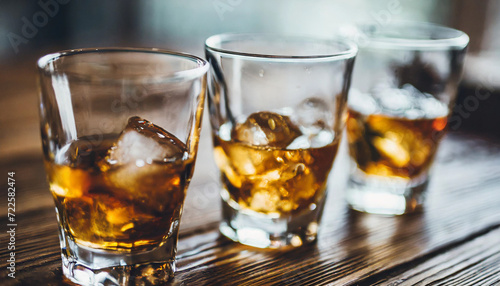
point(120, 130)
point(404, 87)
point(277, 108)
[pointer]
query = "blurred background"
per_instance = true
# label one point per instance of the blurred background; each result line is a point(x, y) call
point(29, 29)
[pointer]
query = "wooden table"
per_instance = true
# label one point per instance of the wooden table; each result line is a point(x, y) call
point(454, 241)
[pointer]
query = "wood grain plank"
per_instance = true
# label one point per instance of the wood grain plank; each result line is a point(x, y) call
point(472, 263)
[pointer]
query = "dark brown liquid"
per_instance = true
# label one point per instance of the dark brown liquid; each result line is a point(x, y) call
point(273, 179)
point(393, 146)
point(123, 208)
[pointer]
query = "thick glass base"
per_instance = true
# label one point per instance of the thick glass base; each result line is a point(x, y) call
point(264, 231)
point(96, 267)
point(88, 266)
point(385, 195)
point(138, 274)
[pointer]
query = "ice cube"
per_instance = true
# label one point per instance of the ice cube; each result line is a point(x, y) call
point(153, 186)
point(408, 102)
point(426, 105)
point(313, 140)
point(281, 189)
point(266, 129)
point(314, 118)
point(115, 218)
point(265, 200)
point(433, 108)
point(414, 92)
point(250, 161)
point(301, 142)
point(393, 149)
point(303, 184)
point(142, 142)
point(144, 165)
point(313, 114)
point(393, 101)
point(362, 102)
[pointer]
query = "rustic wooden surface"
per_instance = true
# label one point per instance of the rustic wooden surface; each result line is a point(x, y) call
point(454, 241)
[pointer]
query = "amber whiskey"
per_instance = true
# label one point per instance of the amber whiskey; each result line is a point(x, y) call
point(392, 146)
point(124, 192)
point(269, 165)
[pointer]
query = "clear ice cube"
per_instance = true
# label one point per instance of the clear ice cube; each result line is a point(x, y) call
point(137, 166)
point(362, 102)
point(313, 114)
point(266, 129)
point(424, 104)
point(314, 118)
point(142, 142)
point(407, 102)
point(391, 100)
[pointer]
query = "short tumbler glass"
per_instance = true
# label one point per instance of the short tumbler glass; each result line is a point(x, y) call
point(120, 130)
point(404, 87)
point(277, 109)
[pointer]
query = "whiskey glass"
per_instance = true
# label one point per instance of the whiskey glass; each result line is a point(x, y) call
point(403, 90)
point(277, 109)
point(120, 130)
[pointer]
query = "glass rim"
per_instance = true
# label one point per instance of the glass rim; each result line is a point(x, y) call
point(201, 68)
point(350, 50)
point(374, 33)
